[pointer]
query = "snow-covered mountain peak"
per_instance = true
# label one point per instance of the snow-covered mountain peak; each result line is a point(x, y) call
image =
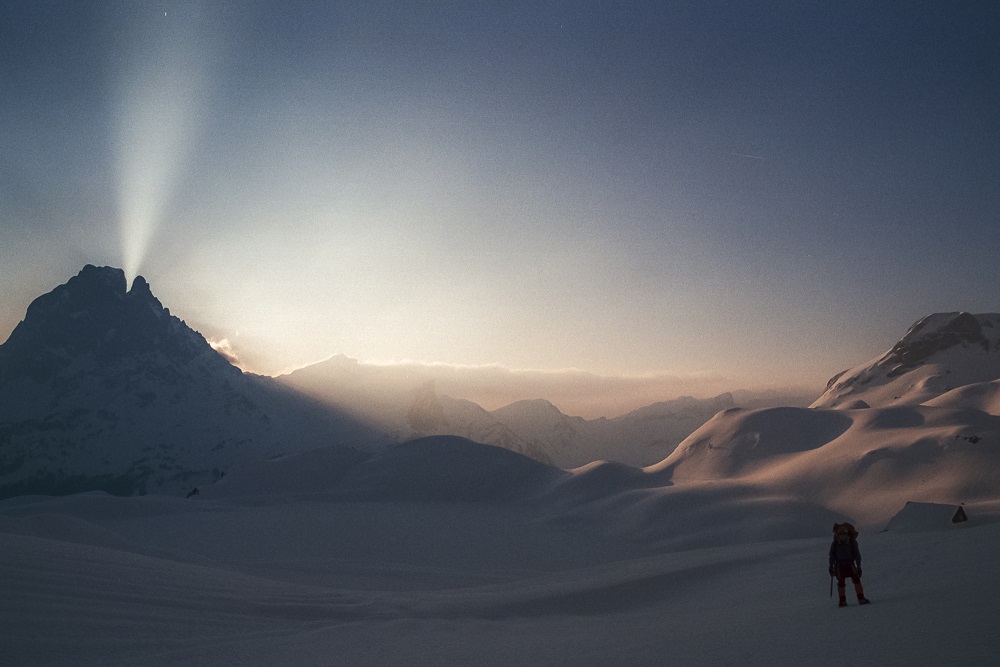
point(937, 354)
point(939, 332)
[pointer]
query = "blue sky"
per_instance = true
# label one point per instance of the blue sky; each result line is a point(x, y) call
point(765, 192)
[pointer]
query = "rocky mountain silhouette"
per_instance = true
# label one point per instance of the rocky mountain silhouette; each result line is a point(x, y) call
point(101, 388)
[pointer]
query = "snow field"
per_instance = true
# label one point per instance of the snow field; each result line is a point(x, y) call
point(219, 582)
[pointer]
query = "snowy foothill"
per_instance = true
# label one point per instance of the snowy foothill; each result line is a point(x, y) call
point(865, 464)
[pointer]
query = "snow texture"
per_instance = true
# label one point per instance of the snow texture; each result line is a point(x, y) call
point(320, 579)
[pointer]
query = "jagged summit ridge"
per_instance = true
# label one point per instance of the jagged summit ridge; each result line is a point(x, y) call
point(939, 353)
point(92, 315)
point(101, 388)
point(941, 331)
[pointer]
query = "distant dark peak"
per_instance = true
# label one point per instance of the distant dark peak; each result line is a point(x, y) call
point(94, 287)
point(531, 406)
point(100, 277)
point(540, 404)
point(92, 316)
point(685, 405)
point(140, 287)
point(141, 292)
point(97, 280)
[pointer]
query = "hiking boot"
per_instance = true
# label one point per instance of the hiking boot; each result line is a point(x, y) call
point(864, 601)
point(843, 603)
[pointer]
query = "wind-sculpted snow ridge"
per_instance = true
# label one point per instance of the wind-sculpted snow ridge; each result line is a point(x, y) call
point(919, 423)
point(940, 353)
point(865, 463)
point(102, 388)
point(982, 396)
point(737, 441)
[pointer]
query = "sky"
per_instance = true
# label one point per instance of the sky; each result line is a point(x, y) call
point(764, 193)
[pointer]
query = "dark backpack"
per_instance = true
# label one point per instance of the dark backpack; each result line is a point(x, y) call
point(852, 532)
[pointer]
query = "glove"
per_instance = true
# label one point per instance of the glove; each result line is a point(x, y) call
point(833, 570)
point(859, 572)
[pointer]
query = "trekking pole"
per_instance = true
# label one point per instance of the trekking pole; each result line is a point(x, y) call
point(831, 585)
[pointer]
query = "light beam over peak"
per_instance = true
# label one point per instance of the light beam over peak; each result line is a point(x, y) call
point(163, 83)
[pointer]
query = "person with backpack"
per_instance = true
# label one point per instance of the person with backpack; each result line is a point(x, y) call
point(845, 561)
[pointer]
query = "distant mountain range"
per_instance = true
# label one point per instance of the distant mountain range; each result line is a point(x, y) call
point(410, 408)
point(101, 388)
point(918, 423)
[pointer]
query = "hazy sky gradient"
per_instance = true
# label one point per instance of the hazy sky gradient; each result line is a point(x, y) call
point(767, 191)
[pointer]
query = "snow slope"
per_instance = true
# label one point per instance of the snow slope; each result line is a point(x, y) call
point(865, 463)
point(318, 581)
point(938, 354)
point(919, 423)
point(435, 467)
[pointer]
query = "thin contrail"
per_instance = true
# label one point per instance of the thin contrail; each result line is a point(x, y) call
point(752, 157)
